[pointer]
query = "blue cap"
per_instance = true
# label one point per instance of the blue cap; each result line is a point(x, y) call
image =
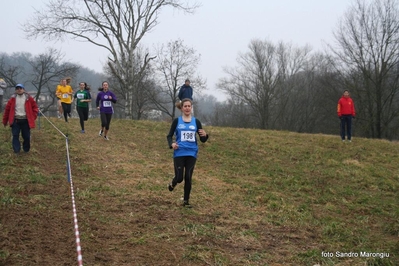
point(19, 85)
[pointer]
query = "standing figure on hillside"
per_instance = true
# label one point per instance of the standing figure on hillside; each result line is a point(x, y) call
point(185, 148)
point(64, 93)
point(20, 113)
point(346, 111)
point(185, 92)
point(104, 101)
point(82, 104)
point(3, 86)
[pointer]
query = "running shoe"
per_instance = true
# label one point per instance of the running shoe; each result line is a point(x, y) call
point(82, 131)
point(170, 187)
point(100, 133)
point(186, 204)
point(106, 138)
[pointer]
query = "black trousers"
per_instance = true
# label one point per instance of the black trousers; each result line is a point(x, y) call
point(105, 120)
point(346, 120)
point(83, 113)
point(184, 168)
point(67, 110)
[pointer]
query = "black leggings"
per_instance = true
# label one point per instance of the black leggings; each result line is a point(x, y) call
point(184, 167)
point(83, 113)
point(67, 110)
point(105, 120)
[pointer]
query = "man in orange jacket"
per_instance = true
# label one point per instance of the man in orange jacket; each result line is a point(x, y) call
point(20, 113)
point(346, 111)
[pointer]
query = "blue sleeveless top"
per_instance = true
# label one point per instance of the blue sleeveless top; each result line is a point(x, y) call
point(185, 137)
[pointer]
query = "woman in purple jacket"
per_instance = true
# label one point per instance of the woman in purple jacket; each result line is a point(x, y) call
point(104, 101)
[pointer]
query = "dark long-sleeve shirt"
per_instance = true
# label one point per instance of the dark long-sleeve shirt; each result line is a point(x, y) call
point(185, 92)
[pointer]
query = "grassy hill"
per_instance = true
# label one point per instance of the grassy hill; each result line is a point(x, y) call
point(259, 198)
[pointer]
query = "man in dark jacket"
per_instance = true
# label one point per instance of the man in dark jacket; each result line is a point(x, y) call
point(20, 113)
point(185, 92)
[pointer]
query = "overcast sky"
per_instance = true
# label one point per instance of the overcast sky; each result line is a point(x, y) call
point(219, 30)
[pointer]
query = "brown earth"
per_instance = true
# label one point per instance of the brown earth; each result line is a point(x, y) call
point(125, 214)
point(121, 220)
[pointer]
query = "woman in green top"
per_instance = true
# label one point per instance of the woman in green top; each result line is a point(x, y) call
point(82, 104)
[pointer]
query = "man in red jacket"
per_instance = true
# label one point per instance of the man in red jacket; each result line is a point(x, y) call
point(346, 111)
point(20, 113)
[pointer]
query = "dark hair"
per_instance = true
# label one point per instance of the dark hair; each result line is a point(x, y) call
point(100, 89)
point(102, 84)
point(85, 84)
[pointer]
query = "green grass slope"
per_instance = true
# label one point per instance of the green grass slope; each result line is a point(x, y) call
point(259, 198)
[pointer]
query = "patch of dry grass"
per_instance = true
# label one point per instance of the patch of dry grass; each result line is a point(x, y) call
point(260, 198)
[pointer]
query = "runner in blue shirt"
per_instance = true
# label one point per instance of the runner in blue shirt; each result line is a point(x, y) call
point(185, 148)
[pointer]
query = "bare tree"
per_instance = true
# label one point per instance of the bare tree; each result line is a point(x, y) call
point(254, 81)
point(47, 70)
point(174, 63)
point(310, 103)
point(261, 79)
point(115, 25)
point(135, 98)
point(292, 76)
point(368, 50)
point(40, 74)
point(10, 73)
point(233, 113)
point(15, 67)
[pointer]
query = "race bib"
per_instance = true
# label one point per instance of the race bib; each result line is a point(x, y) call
point(80, 96)
point(65, 95)
point(187, 136)
point(107, 103)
